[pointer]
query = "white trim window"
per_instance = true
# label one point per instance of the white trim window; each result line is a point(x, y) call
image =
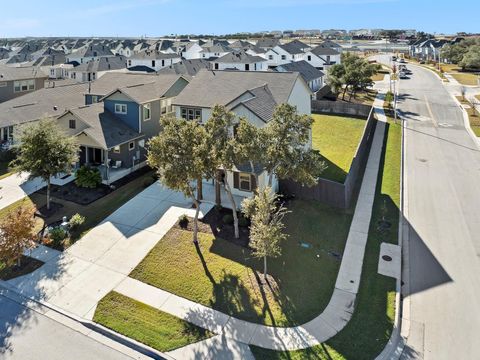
point(116, 149)
point(23, 85)
point(191, 113)
point(131, 145)
point(245, 181)
point(146, 112)
point(120, 109)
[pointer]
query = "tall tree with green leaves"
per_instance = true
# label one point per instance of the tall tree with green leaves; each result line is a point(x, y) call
point(227, 150)
point(181, 157)
point(287, 152)
point(44, 150)
point(266, 229)
point(353, 73)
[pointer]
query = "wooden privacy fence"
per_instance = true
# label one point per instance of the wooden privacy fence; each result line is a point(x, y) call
point(331, 192)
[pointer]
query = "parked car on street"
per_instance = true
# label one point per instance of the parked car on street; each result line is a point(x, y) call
point(402, 75)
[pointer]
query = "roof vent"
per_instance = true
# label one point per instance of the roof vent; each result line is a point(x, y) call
point(55, 107)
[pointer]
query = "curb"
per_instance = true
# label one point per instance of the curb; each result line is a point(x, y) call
point(94, 331)
point(394, 348)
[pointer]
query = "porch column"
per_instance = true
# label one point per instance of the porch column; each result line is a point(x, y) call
point(87, 160)
point(106, 163)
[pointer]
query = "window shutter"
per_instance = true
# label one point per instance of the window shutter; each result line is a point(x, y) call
point(236, 180)
point(253, 182)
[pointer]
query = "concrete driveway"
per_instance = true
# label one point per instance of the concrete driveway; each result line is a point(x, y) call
point(78, 278)
point(16, 187)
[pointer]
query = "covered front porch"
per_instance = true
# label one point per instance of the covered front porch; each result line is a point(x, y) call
point(110, 162)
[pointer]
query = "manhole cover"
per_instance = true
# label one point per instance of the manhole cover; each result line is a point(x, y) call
point(387, 258)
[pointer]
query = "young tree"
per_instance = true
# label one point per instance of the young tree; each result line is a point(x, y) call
point(43, 151)
point(287, 153)
point(266, 229)
point(16, 235)
point(181, 157)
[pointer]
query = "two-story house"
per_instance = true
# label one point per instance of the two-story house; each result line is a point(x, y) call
point(239, 60)
point(113, 133)
point(18, 81)
point(312, 76)
point(322, 57)
point(152, 59)
point(249, 94)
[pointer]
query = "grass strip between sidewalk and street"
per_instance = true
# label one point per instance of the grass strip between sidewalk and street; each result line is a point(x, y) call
point(152, 327)
point(369, 330)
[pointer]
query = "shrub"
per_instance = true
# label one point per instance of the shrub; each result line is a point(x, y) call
point(88, 177)
point(243, 221)
point(183, 220)
point(76, 220)
point(57, 234)
point(227, 219)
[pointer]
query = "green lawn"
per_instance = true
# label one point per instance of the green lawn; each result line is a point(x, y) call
point(337, 139)
point(94, 212)
point(146, 324)
point(4, 170)
point(466, 78)
point(222, 275)
point(368, 331)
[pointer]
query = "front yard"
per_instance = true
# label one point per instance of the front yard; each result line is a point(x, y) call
point(337, 139)
point(369, 330)
point(463, 77)
point(225, 276)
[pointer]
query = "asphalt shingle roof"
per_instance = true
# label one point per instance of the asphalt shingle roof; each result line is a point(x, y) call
point(8, 73)
point(41, 103)
point(107, 130)
point(212, 87)
point(307, 71)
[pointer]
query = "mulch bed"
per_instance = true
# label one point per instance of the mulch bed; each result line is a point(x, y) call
point(212, 224)
point(45, 213)
point(27, 265)
point(85, 196)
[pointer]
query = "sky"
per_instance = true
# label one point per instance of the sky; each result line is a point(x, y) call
point(153, 18)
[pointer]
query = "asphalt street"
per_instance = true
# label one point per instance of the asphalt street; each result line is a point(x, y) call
point(26, 334)
point(442, 184)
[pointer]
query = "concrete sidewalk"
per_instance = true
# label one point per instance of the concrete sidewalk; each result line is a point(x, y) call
point(337, 313)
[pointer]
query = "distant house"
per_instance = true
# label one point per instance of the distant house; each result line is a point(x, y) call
point(94, 69)
point(283, 54)
point(268, 43)
point(312, 76)
point(153, 59)
point(113, 133)
point(252, 95)
point(186, 67)
point(427, 49)
point(239, 60)
point(192, 51)
point(17, 81)
point(214, 51)
point(322, 57)
point(88, 53)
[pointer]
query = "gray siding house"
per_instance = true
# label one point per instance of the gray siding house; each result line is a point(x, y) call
point(18, 81)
